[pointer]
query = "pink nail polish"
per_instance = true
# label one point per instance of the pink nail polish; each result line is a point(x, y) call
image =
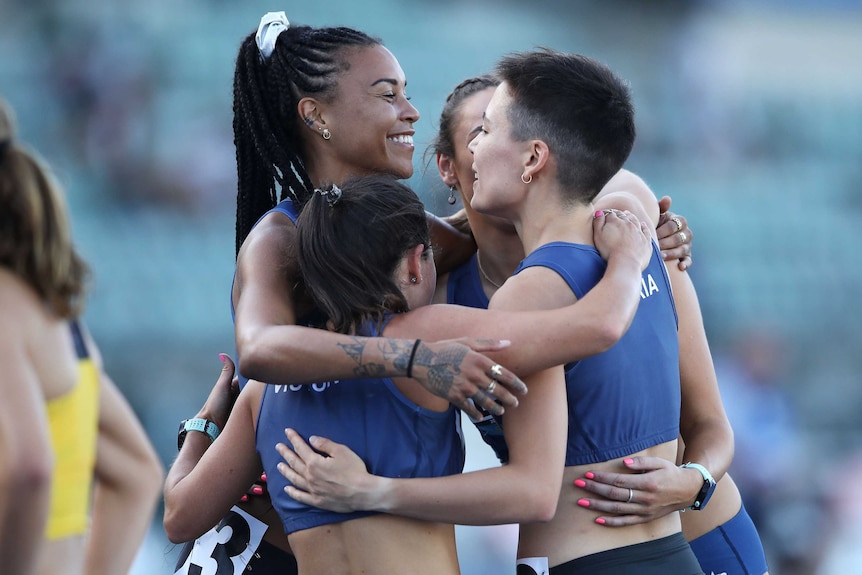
point(244, 498)
point(584, 502)
point(629, 461)
point(597, 214)
point(589, 475)
point(580, 483)
point(263, 476)
point(257, 490)
point(600, 520)
point(222, 357)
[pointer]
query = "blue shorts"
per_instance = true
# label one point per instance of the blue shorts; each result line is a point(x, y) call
point(733, 548)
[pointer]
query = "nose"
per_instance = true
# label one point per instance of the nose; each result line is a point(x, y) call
point(472, 144)
point(410, 113)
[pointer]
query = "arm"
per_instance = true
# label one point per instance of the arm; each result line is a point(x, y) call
point(525, 489)
point(207, 478)
point(672, 231)
point(25, 449)
point(128, 479)
point(273, 349)
point(453, 244)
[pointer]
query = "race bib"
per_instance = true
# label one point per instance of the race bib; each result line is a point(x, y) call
point(225, 549)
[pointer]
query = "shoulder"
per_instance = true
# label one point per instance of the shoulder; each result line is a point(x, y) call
point(533, 288)
point(628, 191)
point(270, 248)
point(20, 306)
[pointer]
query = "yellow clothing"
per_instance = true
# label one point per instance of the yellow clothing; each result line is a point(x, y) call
point(74, 420)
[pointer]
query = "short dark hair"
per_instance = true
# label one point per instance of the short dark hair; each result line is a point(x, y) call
point(350, 246)
point(266, 124)
point(579, 107)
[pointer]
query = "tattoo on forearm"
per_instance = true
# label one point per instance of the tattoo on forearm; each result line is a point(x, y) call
point(395, 353)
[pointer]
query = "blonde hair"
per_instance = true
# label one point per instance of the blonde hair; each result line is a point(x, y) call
point(35, 236)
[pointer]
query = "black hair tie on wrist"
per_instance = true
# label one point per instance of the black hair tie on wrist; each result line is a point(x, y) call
point(412, 356)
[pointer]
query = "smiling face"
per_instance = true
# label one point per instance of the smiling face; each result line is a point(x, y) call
point(498, 160)
point(370, 117)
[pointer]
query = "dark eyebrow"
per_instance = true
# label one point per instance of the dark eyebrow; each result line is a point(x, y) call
point(472, 133)
point(392, 81)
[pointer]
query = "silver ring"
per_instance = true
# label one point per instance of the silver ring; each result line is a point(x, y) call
point(491, 386)
point(631, 495)
point(682, 237)
point(496, 370)
point(678, 222)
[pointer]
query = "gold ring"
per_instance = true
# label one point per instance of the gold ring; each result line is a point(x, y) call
point(491, 386)
point(496, 370)
point(678, 223)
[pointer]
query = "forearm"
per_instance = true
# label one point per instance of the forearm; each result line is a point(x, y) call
point(22, 527)
point(493, 496)
point(591, 326)
point(294, 355)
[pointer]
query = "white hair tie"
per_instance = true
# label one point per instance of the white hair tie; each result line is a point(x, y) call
point(271, 25)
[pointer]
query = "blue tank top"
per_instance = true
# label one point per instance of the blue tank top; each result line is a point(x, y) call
point(464, 286)
point(628, 398)
point(315, 318)
point(394, 436)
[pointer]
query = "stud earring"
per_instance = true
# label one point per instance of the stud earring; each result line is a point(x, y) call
point(451, 198)
point(413, 279)
point(326, 133)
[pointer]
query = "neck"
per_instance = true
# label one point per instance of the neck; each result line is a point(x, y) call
point(545, 218)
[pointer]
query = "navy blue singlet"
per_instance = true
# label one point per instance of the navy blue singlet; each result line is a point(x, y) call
point(394, 436)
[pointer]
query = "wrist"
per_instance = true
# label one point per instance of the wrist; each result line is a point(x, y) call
point(706, 489)
point(197, 424)
point(376, 494)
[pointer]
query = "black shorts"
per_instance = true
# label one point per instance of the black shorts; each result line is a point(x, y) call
point(666, 556)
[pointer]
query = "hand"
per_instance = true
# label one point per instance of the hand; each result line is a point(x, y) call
point(619, 233)
point(223, 395)
point(327, 481)
point(456, 370)
point(258, 488)
point(657, 488)
point(674, 235)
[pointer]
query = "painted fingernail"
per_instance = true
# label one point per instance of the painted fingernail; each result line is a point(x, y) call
point(629, 461)
point(257, 490)
point(222, 357)
point(589, 475)
point(263, 476)
point(600, 520)
point(580, 483)
point(244, 498)
point(584, 502)
point(598, 214)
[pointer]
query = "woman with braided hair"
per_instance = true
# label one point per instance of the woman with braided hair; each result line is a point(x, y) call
point(314, 106)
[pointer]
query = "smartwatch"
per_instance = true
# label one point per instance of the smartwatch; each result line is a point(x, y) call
point(705, 491)
point(196, 424)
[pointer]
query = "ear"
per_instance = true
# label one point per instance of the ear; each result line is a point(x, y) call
point(537, 159)
point(446, 167)
point(309, 113)
point(414, 264)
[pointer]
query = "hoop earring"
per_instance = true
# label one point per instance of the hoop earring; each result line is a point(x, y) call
point(526, 181)
point(451, 198)
point(326, 133)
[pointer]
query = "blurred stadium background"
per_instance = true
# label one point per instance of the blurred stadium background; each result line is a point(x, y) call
point(749, 116)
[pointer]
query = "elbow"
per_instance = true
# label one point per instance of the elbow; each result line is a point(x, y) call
point(607, 334)
point(30, 477)
point(541, 506)
point(176, 524)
